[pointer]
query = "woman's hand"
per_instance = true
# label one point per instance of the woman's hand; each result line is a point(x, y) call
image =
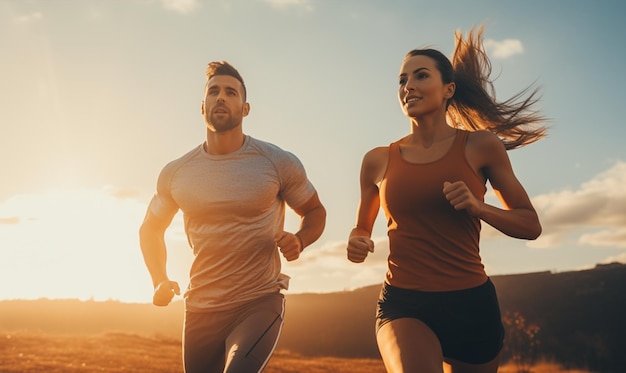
point(461, 198)
point(359, 247)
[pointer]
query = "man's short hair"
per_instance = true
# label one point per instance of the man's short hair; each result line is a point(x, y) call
point(224, 68)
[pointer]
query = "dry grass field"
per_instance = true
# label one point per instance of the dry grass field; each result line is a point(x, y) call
point(541, 368)
point(117, 353)
point(27, 352)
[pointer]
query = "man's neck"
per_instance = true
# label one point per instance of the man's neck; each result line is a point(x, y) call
point(219, 143)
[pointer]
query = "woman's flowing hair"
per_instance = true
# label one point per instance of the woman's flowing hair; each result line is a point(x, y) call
point(474, 106)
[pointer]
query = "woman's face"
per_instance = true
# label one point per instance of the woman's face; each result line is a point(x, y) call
point(421, 89)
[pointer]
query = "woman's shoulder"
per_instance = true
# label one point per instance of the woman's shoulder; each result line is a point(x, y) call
point(375, 163)
point(382, 151)
point(377, 151)
point(484, 148)
point(483, 139)
point(377, 155)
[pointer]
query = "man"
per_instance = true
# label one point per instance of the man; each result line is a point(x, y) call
point(232, 190)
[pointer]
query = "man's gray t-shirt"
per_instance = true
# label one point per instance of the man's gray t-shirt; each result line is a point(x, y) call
point(233, 206)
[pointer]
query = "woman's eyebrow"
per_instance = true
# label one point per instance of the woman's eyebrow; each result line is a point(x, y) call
point(414, 71)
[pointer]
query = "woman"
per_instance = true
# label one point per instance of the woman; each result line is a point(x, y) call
point(437, 308)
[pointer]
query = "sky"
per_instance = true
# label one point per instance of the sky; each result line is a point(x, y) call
point(96, 96)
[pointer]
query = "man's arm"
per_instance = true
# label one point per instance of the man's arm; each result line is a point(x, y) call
point(312, 222)
point(152, 243)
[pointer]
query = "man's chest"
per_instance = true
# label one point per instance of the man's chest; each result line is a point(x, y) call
point(242, 189)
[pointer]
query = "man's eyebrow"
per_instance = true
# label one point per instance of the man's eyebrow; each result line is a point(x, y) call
point(217, 86)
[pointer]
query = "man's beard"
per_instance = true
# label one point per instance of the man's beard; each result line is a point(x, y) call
point(222, 124)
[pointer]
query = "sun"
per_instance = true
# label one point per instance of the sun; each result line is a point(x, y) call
point(78, 244)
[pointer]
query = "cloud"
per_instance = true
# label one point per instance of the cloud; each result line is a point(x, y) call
point(29, 18)
point(321, 269)
point(9, 220)
point(595, 213)
point(123, 193)
point(284, 4)
point(611, 238)
point(619, 258)
point(503, 49)
point(181, 6)
point(336, 250)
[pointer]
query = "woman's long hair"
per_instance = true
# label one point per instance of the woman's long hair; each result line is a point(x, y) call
point(474, 106)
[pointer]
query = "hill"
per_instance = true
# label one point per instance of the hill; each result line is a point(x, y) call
point(579, 316)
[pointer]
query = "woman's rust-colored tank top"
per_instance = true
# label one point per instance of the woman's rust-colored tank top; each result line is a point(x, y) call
point(433, 247)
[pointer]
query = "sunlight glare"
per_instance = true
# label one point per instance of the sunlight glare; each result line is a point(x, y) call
point(73, 244)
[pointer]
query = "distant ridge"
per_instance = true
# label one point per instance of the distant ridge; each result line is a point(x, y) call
point(580, 315)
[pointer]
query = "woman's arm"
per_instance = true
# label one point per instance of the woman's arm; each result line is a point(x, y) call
point(372, 171)
point(517, 217)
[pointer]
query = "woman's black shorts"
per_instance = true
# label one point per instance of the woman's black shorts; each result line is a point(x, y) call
point(467, 322)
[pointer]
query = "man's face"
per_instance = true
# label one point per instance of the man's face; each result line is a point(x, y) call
point(224, 106)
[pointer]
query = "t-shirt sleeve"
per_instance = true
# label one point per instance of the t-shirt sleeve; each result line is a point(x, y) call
point(163, 204)
point(296, 188)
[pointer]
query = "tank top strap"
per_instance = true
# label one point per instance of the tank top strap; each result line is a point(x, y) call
point(458, 146)
point(394, 152)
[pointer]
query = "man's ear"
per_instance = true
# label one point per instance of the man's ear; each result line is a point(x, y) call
point(246, 109)
point(202, 108)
